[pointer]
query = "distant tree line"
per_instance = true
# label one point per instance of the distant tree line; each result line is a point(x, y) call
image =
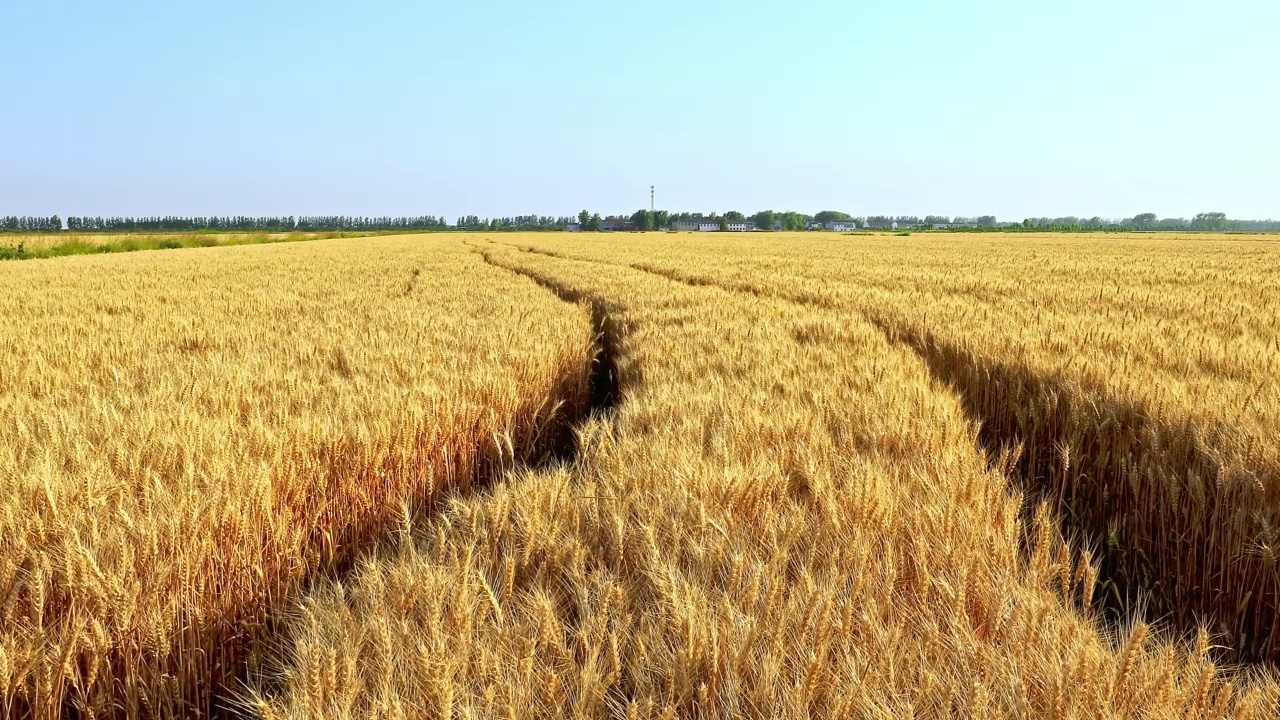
point(639, 220)
point(518, 222)
point(1149, 222)
point(170, 223)
point(771, 220)
point(31, 224)
point(341, 222)
point(305, 223)
point(763, 220)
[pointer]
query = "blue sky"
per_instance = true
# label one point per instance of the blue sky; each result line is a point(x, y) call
point(499, 108)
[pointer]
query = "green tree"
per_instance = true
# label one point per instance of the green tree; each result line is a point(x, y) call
point(765, 219)
point(1209, 221)
point(661, 219)
point(734, 215)
point(584, 218)
point(643, 220)
point(827, 216)
point(1144, 220)
point(593, 223)
point(793, 220)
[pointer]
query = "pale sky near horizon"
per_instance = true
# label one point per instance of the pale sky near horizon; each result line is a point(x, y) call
point(492, 107)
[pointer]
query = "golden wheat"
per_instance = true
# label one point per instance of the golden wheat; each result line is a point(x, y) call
point(790, 515)
point(186, 437)
point(1138, 375)
point(849, 476)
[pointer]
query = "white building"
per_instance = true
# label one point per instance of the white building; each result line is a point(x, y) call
point(711, 225)
point(573, 227)
point(616, 223)
point(842, 225)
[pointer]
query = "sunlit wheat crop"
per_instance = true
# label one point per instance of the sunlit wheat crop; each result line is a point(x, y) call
point(186, 437)
point(1137, 375)
point(793, 513)
point(809, 475)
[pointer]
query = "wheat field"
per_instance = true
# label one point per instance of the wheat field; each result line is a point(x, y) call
point(190, 436)
point(1137, 373)
point(826, 476)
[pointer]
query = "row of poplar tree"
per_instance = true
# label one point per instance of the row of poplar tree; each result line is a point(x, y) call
point(641, 220)
point(305, 223)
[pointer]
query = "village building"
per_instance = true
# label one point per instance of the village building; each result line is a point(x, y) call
point(617, 223)
point(702, 224)
point(697, 224)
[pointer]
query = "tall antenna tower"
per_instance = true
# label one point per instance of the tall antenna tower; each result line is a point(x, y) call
point(652, 207)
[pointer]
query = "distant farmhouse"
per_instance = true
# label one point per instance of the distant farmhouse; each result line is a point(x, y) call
point(573, 227)
point(836, 225)
point(617, 223)
point(696, 225)
point(886, 225)
point(701, 224)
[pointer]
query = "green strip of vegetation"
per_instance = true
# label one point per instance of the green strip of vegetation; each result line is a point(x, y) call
point(21, 251)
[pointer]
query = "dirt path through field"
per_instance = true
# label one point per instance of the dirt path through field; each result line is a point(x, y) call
point(1177, 505)
point(785, 516)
